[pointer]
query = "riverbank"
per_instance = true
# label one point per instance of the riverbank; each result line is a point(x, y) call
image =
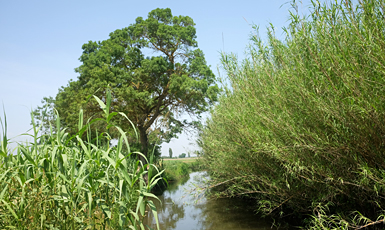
point(177, 168)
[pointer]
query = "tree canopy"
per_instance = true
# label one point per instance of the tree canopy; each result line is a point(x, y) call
point(155, 72)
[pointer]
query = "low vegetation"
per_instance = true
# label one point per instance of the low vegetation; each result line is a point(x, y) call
point(175, 169)
point(62, 182)
point(301, 126)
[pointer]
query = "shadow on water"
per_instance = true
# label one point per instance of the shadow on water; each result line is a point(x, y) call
point(180, 209)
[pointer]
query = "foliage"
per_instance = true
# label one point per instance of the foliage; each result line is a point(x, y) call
point(45, 115)
point(302, 122)
point(196, 165)
point(154, 150)
point(152, 91)
point(183, 155)
point(170, 152)
point(60, 181)
point(175, 170)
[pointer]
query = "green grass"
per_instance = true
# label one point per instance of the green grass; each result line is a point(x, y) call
point(176, 168)
point(181, 159)
point(300, 127)
point(63, 182)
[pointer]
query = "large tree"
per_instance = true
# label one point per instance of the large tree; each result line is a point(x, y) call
point(154, 71)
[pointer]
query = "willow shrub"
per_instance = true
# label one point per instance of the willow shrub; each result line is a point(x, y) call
point(62, 182)
point(302, 124)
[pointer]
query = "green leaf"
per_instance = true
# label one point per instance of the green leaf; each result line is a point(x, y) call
point(120, 189)
point(57, 127)
point(154, 212)
point(147, 194)
point(140, 205)
point(2, 153)
point(135, 215)
point(108, 101)
point(111, 115)
point(80, 124)
point(85, 149)
point(10, 209)
point(106, 210)
point(89, 194)
point(80, 182)
point(112, 162)
point(4, 174)
point(101, 104)
point(27, 155)
point(3, 192)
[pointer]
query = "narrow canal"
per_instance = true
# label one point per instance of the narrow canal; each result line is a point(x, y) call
point(181, 209)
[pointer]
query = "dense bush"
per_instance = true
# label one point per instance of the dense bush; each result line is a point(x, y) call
point(301, 128)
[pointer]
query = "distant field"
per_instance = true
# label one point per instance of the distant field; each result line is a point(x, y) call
point(181, 159)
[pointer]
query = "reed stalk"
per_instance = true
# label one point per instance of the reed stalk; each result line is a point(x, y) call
point(63, 182)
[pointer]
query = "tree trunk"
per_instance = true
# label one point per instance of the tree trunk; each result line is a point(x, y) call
point(144, 144)
point(144, 149)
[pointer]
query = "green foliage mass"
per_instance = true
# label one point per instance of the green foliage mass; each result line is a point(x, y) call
point(152, 91)
point(301, 126)
point(177, 169)
point(63, 182)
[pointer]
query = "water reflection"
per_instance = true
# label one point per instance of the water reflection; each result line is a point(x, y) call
point(181, 210)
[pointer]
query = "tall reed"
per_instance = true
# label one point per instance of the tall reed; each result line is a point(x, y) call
point(63, 182)
point(302, 123)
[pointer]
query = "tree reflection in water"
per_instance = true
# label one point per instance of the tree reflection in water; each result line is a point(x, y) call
point(170, 210)
point(181, 211)
point(169, 214)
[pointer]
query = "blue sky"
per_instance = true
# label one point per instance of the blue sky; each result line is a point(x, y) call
point(40, 42)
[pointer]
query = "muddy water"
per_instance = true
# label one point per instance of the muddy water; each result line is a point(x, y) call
point(181, 209)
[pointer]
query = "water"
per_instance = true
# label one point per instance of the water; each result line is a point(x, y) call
point(182, 209)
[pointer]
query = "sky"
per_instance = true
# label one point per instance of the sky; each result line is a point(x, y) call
point(41, 40)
